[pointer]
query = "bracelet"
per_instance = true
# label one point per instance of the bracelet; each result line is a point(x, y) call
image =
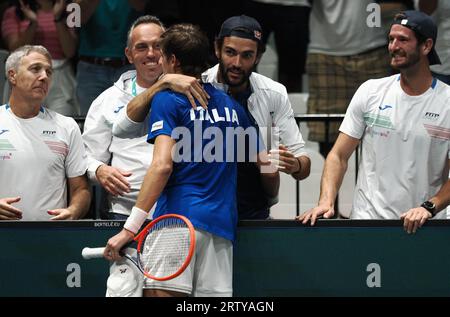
point(135, 219)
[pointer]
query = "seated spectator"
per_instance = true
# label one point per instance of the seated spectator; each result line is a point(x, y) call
point(42, 22)
point(42, 157)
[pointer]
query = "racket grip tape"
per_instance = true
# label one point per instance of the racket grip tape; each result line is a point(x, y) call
point(95, 253)
point(92, 253)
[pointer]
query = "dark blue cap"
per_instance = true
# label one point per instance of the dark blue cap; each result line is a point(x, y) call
point(422, 24)
point(241, 26)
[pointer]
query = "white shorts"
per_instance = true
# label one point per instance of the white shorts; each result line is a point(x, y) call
point(125, 279)
point(210, 273)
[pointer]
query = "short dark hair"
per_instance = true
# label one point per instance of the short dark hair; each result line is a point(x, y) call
point(145, 19)
point(190, 46)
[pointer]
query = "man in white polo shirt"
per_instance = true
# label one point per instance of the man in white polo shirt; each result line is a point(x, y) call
point(404, 122)
point(42, 157)
point(119, 164)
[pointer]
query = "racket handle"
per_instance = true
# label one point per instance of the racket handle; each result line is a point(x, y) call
point(92, 253)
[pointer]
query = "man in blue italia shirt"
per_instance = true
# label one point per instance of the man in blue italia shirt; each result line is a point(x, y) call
point(194, 169)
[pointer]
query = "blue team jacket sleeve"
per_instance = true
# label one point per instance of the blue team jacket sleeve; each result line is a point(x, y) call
point(163, 116)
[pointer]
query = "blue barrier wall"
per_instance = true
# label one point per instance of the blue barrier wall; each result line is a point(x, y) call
point(271, 258)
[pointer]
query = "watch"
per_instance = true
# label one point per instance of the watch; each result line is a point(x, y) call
point(430, 206)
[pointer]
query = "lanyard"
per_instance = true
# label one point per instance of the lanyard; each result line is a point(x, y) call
point(133, 87)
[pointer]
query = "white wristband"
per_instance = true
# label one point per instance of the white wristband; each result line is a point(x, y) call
point(135, 220)
point(126, 128)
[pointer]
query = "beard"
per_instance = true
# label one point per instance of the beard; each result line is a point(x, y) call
point(245, 75)
point(412, 59)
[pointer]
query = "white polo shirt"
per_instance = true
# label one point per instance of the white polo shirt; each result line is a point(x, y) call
point(37, 155)
point(102, 147)
point(405, 148)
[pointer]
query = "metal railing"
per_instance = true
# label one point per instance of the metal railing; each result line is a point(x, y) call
point(326, 118)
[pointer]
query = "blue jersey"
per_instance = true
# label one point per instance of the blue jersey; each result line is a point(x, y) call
point(202, 185)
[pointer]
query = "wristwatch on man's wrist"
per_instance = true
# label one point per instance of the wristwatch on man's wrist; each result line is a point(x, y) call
point(430, 206)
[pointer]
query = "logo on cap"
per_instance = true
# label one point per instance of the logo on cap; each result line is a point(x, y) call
point(241, 26)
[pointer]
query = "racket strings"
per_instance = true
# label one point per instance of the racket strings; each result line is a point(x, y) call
point(165, 248)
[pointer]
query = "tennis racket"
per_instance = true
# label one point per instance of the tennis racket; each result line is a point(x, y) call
point(164, 247)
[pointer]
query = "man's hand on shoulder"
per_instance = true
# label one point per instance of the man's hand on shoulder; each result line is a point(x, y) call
point(188, 86)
